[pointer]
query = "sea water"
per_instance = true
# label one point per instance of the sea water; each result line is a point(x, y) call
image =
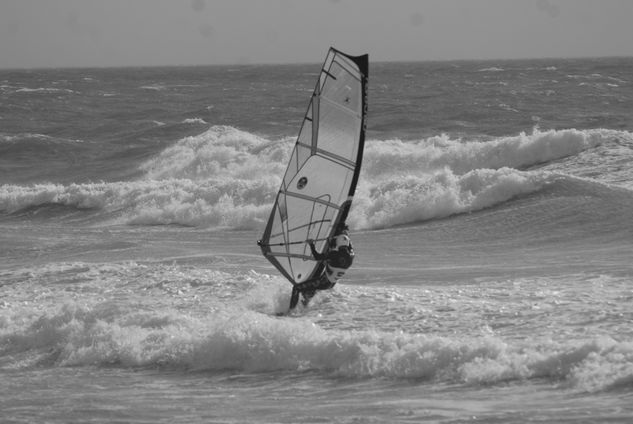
point(493, 229)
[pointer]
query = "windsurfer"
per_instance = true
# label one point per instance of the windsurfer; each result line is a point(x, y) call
point(338, 256)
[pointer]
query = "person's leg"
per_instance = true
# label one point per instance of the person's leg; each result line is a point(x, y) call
point(294, 297)
point(307, 290)
point(307, 295)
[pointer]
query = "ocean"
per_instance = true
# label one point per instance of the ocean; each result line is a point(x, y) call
point(492, 224)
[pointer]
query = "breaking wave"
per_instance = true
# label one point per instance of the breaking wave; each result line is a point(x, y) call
point(226, 177)
point(213, 321)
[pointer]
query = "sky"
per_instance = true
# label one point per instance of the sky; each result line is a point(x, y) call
point(87, 33)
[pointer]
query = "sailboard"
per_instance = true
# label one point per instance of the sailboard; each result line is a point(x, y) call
point(319, 184)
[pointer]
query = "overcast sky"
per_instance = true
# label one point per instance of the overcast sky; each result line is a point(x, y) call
point(68, 33)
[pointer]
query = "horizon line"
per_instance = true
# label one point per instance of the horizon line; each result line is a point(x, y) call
point(238, 63)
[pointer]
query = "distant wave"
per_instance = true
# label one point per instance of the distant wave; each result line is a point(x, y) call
point(44, 90)
point(194, 121)
point(492, 69)
point(16, 138)
point(24, 136)
point(226, 177)
point(157, 87)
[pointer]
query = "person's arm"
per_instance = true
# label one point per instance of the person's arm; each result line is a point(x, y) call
point(318, 256)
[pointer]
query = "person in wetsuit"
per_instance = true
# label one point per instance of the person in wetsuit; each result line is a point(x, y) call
point(335, 260)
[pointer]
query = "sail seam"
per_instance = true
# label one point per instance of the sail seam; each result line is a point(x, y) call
point(312, 199)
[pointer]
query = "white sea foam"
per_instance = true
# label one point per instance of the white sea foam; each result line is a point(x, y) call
point(196, 321)
point(462, 156)
point(401, 200)
point(156, 87)
point(44, 90)
point(216, 203)
point(35, 136)
point(194, 121)
point(223, 152)
point(225, 177)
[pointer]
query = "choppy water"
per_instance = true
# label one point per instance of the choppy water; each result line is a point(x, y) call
point(492, 223)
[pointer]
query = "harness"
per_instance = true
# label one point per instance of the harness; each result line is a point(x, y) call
point(334, 274)
point(336, 266)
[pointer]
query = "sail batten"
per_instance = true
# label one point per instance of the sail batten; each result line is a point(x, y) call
point(321, 177)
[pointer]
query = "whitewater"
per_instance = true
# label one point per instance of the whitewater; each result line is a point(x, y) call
point(492, 222)
point(224, 177)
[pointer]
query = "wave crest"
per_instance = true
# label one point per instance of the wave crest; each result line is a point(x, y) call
point(519, 152)
point(395, 200)
point(220, 152)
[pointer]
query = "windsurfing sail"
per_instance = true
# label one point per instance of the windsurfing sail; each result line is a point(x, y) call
point(318, 186)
